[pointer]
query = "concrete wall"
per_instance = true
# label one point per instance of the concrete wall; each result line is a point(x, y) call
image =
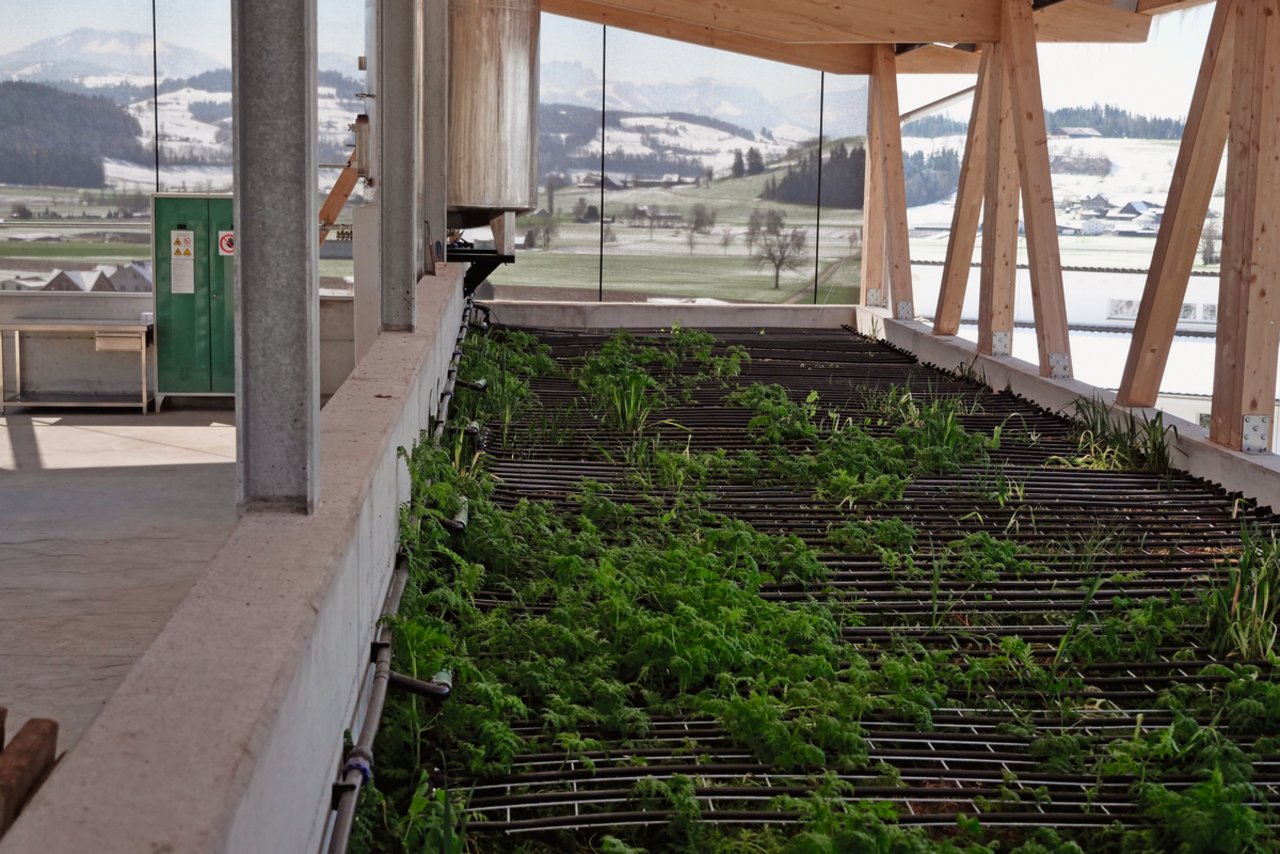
point(68, 363)
point(227, 735)
point(1256, 476)
point(643, 315)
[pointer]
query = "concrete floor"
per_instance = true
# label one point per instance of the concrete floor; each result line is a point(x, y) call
point(106, 520)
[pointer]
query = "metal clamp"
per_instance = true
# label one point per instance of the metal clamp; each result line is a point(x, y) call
point(1060, 366)
point(1255, 437)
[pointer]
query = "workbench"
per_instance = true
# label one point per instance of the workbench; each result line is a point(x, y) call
point(109, 336)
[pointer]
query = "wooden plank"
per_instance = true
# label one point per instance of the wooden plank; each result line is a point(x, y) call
point(873, 290)
point(1159, 7)
point(1000, 217)
point(837, 59)
point(1048, 303)
point(853, 22)
point(338, 196)
point(964, 218)
point(824, 22)
point(1086, 21)
point(1248, 338)
point(897, 248)
point(1177, 243)
point(938, 59)
point(23, 764)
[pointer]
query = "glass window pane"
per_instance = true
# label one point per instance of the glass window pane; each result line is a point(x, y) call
point(714, 187)
point(558, 243)
point(75, 164)
point(194, 107)
point(843, 177)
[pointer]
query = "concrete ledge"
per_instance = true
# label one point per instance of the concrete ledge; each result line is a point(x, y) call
point(1255, 476)
point(227, 734)
point(644, 315)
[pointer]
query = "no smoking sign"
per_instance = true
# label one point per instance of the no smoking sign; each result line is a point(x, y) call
point(226, 243)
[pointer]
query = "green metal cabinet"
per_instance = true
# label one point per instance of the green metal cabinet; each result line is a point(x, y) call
point(193, 246)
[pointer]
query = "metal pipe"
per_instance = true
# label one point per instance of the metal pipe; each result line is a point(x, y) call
point(442, 413)
point(945, 101)
point(439, 687)
point(357, 768)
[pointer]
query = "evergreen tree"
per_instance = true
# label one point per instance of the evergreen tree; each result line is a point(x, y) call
point(739, 167)
point(755, 161)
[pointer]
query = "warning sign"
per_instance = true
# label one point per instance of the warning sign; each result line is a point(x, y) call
point(226, 243)
point(182, 271)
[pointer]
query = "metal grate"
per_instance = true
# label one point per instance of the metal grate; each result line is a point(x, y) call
point(1165, 534)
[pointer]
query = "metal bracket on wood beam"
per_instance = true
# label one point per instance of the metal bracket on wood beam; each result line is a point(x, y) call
point(906, 310)
point(873, 297)
point(1255, 438)
point(1060, 366)
point(1001, 343)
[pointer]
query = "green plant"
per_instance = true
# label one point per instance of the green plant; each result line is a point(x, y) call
point(1243, 607)
point(1107, 441)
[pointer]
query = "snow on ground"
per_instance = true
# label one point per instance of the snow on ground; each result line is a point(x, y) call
point(100, 80)
point(176, 122)
point(183, 135)
point(141, 177)
point(641, 135)
point(1140, 171)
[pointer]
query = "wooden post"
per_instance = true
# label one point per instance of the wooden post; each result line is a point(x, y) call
point(1199, 157)
point(1000, 217)
point(1047, 300)
point(885, 72)
point(873, 275)
point(1244, 382)
point(964, 219)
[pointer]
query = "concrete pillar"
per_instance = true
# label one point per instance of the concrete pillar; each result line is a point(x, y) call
point(277, 254)
point(397, 135)
point(433, 95)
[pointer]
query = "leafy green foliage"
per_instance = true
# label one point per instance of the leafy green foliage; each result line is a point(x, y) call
point(571, 629)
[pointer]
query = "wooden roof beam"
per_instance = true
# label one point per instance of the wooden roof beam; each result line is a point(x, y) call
point(837, 59)
point(819, 22)
point(823, 22)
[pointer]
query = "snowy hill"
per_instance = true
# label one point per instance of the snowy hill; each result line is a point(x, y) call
point(1140, 169)
point(789, 117)
point(98, 58)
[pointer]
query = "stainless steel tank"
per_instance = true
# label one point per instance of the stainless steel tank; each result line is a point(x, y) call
point(493, 108)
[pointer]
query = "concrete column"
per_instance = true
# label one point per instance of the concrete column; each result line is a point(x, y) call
point(277, 254)
point(397, 134)
point(433, 95)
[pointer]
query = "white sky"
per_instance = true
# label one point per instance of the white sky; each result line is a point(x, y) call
point(1155, 78)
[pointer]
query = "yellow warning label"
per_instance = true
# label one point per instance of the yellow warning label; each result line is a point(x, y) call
point(177, 243)
point(186, 251)
point(177, 252)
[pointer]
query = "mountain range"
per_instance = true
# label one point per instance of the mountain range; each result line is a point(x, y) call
point(653, 128)
point(88, 56)
point(786, 116)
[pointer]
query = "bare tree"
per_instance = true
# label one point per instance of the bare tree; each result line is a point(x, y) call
point(1209, 244)
point(727, 236)
point(691, 238)
point(778, 248)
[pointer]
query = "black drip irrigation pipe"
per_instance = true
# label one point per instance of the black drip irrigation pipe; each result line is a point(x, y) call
point(357, 768)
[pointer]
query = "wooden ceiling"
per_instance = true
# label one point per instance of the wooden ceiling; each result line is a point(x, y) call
point(836, 35)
